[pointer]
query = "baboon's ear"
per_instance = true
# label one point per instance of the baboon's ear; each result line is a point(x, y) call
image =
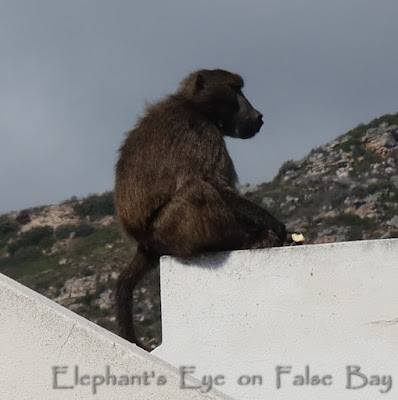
point(199, 83)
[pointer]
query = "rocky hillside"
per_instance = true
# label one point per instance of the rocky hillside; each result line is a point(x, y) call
point(73, 252)
point(345, 190)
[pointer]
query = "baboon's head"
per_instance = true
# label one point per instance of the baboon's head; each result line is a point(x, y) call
point(218, 94)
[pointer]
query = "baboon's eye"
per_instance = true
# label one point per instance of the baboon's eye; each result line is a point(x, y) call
point(237, 88)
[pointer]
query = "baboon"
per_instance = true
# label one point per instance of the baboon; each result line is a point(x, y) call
point(175, 188)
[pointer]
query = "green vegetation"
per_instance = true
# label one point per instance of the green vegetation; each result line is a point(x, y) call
point(80, 230)
point(348, 220)
point(335, 196)
point(96, 206)
point(95, 242)
point(64, 231)
point(28, 261)
point(42, 237)
point(84, 229)
point(370, 158)
point(358, 132)
point(390, 213)
point(23, 217)
point(390, 192)
point(8, 229)
point(357, 226)
point(71, 200)
point(86, 248)
point(390, 119)
point(277, 192)
point(354, 146)
point(289, 165)
point(7, 225)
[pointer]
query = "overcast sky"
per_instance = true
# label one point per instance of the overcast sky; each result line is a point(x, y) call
point(75, 74)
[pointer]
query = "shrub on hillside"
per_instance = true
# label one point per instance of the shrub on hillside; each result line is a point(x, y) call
point(23, 217)
point(357, 226)
point(84, 229)
point(80, 230)
point(42, 236)
point(336, 195)
point(387, 188)
point(346, 219)
point(64, 231)
point(96, 206)
point(358, 131)
point(7, 225)
point(288, 165)
point(369, 158)
point(8, 228)
point(28, 253)
point(390, 119)
point(354, 146)
point(72, 199)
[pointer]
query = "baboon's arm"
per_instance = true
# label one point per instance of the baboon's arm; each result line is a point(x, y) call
point(250, 215)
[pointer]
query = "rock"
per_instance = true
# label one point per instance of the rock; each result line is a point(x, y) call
point(342, 173)
point(346, 181)
point(386, 235)
point(114, 275)
point(327, 231)
point(268, 202)
point(298, 225)
point(371, 198)
point(393, 129)
point(247, 188)
point(331, 214)
point(393, 222)
point(105, 301)
point(342, 230)
point(328, 179)
point(54, 216)
point(329, 239)
point(372, 181)
point(388, 140)
point(78, 287)
point(369, 210)
point(291, 199)
point(394, 180)
point(108, 220)
point(323, 240)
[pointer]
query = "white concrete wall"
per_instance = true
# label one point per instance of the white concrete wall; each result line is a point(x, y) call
point(36, 335)
point(319, 309)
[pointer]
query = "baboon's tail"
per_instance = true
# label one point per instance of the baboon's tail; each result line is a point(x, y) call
point(142, 264)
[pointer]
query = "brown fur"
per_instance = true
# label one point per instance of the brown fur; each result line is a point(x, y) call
point(175, 181)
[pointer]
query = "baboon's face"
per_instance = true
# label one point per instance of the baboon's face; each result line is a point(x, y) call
point(218, 94)
point(246, 121)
